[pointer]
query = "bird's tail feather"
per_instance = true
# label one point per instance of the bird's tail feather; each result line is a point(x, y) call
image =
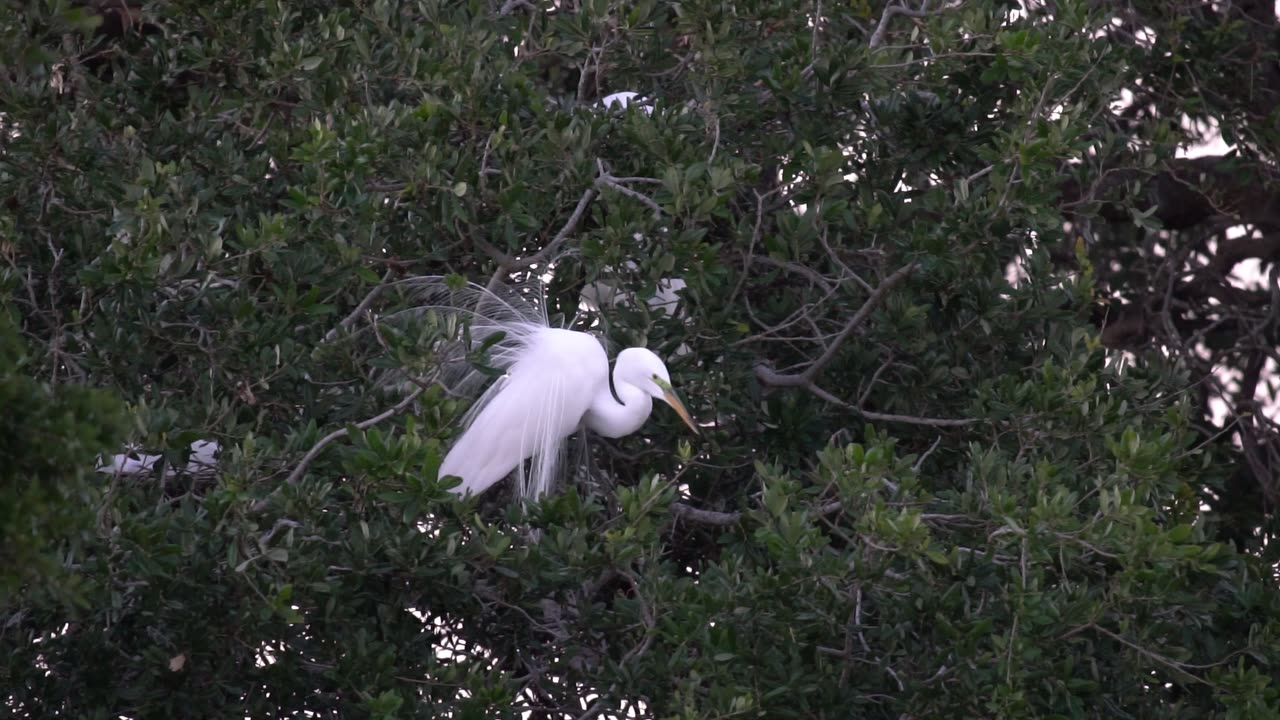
point(508, 318)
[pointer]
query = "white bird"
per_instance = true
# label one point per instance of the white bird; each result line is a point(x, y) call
point(625, 99)
point(203, 458)
point(556, 382)
point(603, 293)
point(665, 300)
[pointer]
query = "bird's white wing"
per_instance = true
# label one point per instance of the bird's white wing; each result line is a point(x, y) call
point(529, 413)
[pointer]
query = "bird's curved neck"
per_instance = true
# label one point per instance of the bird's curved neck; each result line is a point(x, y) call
point(610, 419)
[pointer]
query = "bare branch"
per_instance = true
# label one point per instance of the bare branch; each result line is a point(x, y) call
point(892, 11)
point(806, 378)
point(1182, 668)
point(493, 252)
point(797, 268)
point(609, 181)
point(301, 468)
point(1246, 410)
point(875, 377)
point(703, 517)
point(889, 417)
point(646, 613)
point(508, 264)
point(569, 226)
point(916, 419)
point(925, 456)
point(506, 268)
point(279, 525)
point(400, 407)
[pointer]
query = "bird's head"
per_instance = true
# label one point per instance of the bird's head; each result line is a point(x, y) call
point(645, 370)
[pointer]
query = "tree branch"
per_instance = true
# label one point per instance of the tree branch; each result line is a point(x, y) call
point(1186, 193)
point(493, 252)
point(889, 417)
point(1246, 409)
point(301, 468)
point(892, 11)
point(506, 268)
point(805, 379)
point(808, 378)
point(916, 419)
point(609, 181)
point(508, 264)
point(1232, 252)
point(703, 517)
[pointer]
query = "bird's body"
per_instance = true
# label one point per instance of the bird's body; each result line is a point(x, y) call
point(555, 382)
point(530, 408)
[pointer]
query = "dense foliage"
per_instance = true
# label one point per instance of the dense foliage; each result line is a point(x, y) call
point(47, 433)
point(929, 484)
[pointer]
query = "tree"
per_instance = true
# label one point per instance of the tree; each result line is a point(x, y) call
point(1186, 243)
point(46, 496)
point(928, 486)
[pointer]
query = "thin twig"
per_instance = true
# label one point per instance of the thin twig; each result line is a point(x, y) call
point(340, 433)
point(920, 461)
point(845, 269)
point(917, 419)
point(798, 268)
point(569, 226)
point(646, 614)
point(508, 264)
point(888, 417)
point(351, 319)
point(592, 712)
point(751, 246)
point(1181, 667)
point(875, 377)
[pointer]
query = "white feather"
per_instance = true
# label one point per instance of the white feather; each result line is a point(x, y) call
point(529, 413)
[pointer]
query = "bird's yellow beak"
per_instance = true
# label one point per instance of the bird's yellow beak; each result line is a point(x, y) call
point(669, 395)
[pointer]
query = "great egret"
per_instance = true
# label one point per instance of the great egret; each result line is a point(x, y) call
point(556, 381)
point(622, 100)
point(603, 293)
point(203, 458)
point(606, 294)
